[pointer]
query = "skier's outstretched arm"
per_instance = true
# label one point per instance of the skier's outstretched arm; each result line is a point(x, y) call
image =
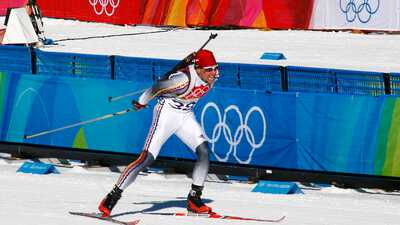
point(175, 85)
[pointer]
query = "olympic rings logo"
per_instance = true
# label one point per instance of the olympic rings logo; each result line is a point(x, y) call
point(104, 6)
point(234, 137)
point(361, 9)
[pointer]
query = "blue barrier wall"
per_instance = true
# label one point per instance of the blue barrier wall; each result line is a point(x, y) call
point(75, 65)
point(305, 79)
point(15, 59)
point(134, 69)
point(395, 83)
point(246, 76)
point(259, 77)
point(234, 75)
point(307, 131)
point(359, 82)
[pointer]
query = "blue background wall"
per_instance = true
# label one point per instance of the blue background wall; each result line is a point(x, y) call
point(323, 132)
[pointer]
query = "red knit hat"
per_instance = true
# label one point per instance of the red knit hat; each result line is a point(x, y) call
point(205, 58)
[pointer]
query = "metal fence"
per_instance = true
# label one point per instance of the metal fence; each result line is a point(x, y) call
point(395, 83)
point(268, 78)
point(15, 59)
point(76, 65)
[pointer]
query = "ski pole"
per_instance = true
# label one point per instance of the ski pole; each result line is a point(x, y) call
point(112, 99)
point(107, 116)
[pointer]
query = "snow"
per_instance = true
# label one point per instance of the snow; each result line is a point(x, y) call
point(46, 199)
point(343, 50)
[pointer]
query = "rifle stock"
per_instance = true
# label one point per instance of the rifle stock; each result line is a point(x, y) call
point(189, 59)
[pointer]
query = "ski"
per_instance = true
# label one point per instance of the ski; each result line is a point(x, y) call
point(214, 215)
point(109, 219)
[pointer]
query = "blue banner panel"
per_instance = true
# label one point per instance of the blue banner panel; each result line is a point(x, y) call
point(337, 132)
point(40, 103)
point(247, 127)
point(308, 131)
point(241, 126)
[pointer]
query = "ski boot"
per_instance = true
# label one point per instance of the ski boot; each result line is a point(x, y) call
point(195, 203)
point(108, 203)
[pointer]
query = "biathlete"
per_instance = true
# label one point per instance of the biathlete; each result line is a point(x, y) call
point(177, 95)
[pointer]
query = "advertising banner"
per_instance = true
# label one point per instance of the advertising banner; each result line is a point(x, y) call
point(281, 14)
point(109, 11)
point(5, 4)
point(265, 14)
point(288, 14)
point(306, 131)
point(351, 14)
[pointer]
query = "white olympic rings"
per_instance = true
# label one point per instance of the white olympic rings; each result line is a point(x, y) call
point(104, 6)
point(234, 139)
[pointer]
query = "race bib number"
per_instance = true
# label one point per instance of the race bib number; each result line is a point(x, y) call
point(182, 106)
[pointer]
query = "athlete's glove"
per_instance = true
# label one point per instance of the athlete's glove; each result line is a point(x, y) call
point(137, 106)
